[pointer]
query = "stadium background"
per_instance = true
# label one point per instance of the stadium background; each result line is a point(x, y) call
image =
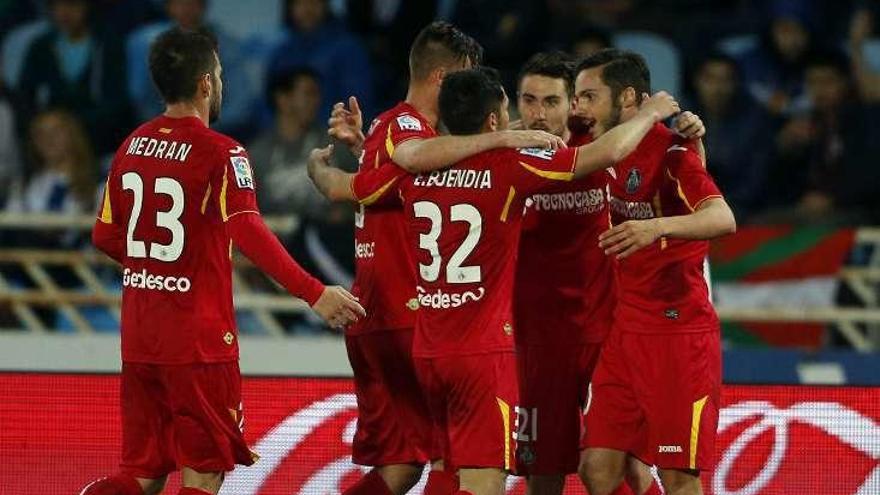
point(788, 90)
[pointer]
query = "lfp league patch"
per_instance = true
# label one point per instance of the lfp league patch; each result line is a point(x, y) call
point(242, 169)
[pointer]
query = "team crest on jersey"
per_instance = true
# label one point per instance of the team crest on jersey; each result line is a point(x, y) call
point(242, 169)
point(409, 123)
point(633, 181)
point(542, 153)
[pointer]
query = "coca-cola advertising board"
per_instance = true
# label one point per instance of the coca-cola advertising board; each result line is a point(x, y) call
point(58, 432)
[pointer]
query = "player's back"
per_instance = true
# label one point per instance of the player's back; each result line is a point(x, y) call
point(172, 185)
point(465, 223)
point(384, 277)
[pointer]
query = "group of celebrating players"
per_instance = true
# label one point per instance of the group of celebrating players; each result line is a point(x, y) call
point(526, 301)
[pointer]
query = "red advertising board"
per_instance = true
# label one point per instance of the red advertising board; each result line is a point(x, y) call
point(58, 432)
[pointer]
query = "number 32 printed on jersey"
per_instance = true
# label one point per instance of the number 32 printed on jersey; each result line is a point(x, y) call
point(456, 273)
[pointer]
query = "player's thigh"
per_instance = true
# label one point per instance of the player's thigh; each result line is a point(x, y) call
point(553, 391)
point(208, 416)
point(613, 417)
point(482, 481)
point(680, 393)
point(481, 394)
point(147, 445)
point(681, 482)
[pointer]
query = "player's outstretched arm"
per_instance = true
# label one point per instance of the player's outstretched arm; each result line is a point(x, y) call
point(617, 143)
point(712, 218)
point(334, 304)
point(424, 155)
point(333, 183)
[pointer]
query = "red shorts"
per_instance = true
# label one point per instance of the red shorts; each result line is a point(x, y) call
point(657, 397)
point(553, 390)
point(182, 416)
point(394, 425)
point(472, 400)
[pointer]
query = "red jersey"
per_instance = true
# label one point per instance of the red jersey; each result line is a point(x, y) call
point(385, 279)
point(172, 185)
point(662, 287)
point(564, 292)
point(464, 222)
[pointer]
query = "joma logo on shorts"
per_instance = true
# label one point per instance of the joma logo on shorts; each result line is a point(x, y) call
point(671, 449)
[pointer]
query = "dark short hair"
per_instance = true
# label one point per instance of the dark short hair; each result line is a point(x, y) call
point(438, 45)
point(592, 33)
point(467, 97)
point(555, 65)
point(718, 57)
point(178, 59)
point(286, 80)
point(620, 69)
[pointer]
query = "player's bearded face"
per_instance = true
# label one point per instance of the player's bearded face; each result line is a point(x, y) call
point(594, 103)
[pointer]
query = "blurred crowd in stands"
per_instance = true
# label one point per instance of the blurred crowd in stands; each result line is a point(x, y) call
point(788, 89)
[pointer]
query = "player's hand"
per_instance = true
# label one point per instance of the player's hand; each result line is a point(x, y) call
point(319, 157)
point(530, 139)
point(338, 307)
point(346, 124)
point(690, 125)
point(625, 239)
point(661, 106)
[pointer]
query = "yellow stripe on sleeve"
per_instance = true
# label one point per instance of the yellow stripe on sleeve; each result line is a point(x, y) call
point(223, 197)
point(106, 209)
point(696, 415)
point(389, 144)
point(510, 195)
point(372, 198)
point(505, 417)
point(548, 174)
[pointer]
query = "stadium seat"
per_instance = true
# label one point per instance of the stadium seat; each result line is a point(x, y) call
point(243, 19)
point(15, 47)
point(661, 54)
point(738, 45)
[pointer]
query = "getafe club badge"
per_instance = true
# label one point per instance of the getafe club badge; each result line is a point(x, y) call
point(633, 181)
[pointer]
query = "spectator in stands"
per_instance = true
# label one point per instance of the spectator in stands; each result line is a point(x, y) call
point(316, 40)
point(833, 149)
point(589, 41)
point(866, 74)
point(62, 178)
point(79, 67)
point(740, 142)
point(322, 243)
point(774, 70)
point(10, 158)
point(241, 98)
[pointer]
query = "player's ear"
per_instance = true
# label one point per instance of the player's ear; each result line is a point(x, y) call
point(492, 122)
point(437, 76)
point(205, 86)
point(629, 97)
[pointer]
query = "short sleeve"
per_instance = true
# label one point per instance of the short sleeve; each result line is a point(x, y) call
point(693, 182)
point(374, 185)
point(235, 182)
point(540, 168)
point(404, 127)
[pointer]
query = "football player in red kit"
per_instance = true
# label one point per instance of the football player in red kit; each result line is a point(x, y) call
point(564, 292)
point(655, 390)
point(393, 433)
point(464, 223)
point(177, 197)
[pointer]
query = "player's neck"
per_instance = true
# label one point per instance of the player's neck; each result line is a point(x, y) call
point(424, 101)
point(186, 109)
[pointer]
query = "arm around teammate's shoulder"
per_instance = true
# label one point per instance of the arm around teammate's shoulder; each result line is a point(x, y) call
point(425, 155)
point(617, 143)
